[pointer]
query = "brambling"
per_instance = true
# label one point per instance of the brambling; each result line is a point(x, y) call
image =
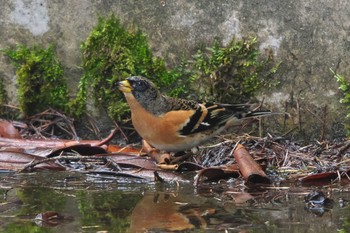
point(174, 125)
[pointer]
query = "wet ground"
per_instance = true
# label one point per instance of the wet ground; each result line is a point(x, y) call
point(75, 202)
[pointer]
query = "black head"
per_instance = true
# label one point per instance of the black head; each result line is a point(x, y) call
point(142, 89)
point(146, 93)
point(140, 84)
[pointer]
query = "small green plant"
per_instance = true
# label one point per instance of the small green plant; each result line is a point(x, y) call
point(344, 86)
point(233, 73)
point(40, 79)
point(112, 53)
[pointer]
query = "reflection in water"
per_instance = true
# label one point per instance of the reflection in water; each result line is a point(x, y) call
point(168, 211)
point(106, 210)
point(122, 205)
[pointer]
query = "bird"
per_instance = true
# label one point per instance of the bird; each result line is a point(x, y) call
point(173, 124)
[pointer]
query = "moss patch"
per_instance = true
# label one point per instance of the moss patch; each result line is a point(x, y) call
point(40, 79)
point(233, 73)
point(3, 94)
point(112, 53)
point(344, 86)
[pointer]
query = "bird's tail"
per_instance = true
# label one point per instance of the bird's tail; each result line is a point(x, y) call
point(260, 113)
point(242, 111)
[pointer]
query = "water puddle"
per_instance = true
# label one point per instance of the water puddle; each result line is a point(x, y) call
point(73, 202)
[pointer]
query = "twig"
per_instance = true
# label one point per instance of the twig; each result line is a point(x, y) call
point(285, 158)
point(346, 174)
point(93, 125)
point(121, 131)
point(108, 138)
point(342, 162)
point(343, 148)
point(285, 116)
point(260, 104)
point(48, 120)
point(216, 145)
point(176, 160)
point(324, 122)
point(10, 106)
point(66, 157)
point(36, 130)
point(32, 164)
point(299, 115)
point(288, 132)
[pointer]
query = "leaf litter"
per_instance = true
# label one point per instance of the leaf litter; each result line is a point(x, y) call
point(245, 161)
point(255, 159)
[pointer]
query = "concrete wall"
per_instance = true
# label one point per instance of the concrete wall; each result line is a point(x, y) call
point(309, 37)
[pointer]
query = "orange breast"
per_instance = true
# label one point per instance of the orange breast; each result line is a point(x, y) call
point(159, 131)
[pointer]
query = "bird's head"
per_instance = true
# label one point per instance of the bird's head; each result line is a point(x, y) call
point(136, 84)
point(144, 91)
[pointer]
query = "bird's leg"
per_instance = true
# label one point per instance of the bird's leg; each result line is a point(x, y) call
point(178, 154)
point(163, 157)
point(183, 155)
point(194, 151)
point(158, 156)
point(148, 148)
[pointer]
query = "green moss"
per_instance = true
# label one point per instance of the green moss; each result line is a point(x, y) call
point(3, 94)
point(233, 73)
point(40, 79)
point(112, 53)
point(3, 98)
point(344, 86)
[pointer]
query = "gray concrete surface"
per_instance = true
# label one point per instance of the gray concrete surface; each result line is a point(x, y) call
point(308, 37)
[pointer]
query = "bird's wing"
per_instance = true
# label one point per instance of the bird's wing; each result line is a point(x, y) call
point(209, 116)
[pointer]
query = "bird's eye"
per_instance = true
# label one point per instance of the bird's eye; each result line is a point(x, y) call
point(140, 85)
point(131, 82)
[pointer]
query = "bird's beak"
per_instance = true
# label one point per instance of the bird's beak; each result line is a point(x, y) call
point(125, 86)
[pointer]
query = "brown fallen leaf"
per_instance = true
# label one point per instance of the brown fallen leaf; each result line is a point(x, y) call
point(81, 148)
point(133, 161)
point(17, 161)
point(189, 166)
point(250, 170)
point(7, 130)
point(124, 150)
point(35, 144)
point(217, 173)
point(324, 176)
point(30, 144)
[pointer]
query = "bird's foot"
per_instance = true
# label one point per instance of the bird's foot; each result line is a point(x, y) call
point(183, 155)
point(157, 155)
